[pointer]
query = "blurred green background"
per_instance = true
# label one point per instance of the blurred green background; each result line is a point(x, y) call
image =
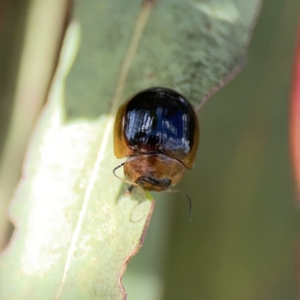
point(242, 242)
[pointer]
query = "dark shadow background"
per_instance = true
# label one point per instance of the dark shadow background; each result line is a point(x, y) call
point(242, 243)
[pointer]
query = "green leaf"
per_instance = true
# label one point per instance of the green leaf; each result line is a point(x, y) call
point(75, 231)
point(69, 210)
point(191, 46)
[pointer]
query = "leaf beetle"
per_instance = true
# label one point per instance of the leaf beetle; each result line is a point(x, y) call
point(158, 130)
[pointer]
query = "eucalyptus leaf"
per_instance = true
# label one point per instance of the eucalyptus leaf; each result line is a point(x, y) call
point(75, 229)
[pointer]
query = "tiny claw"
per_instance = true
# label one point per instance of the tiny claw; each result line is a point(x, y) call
point(129, 190)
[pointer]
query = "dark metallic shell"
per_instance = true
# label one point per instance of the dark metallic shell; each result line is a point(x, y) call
point(157, 120)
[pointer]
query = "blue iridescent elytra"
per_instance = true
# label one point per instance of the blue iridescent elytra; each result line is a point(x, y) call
point(157, 131)
point(160, 120)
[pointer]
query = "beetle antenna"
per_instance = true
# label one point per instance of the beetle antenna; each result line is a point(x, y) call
point(116, 168)
point(189, 202)
point(122, 179)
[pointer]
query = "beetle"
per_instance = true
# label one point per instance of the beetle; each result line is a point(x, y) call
point(158, 130)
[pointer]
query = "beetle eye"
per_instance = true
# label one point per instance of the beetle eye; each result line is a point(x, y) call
point(164, 183)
